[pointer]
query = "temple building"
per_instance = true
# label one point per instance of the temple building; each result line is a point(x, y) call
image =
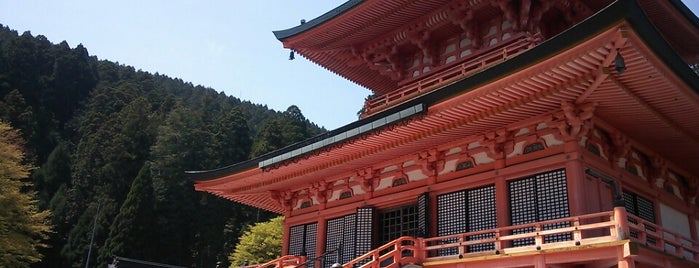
point(504, 133)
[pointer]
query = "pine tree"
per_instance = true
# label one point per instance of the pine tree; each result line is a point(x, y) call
point(131, 233)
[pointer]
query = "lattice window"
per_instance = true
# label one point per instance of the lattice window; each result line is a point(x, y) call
point(552, 192)
point(642, 208)
point(450, 215)
point(343, 231)
point(481, 216)
point(399, 222)
point(349, 246)
point(296, 240)
point(302, 241)
point(365, 231)
point(539, 198)
point(333, 239)
point(311, 242)
point(423, 216)
point(466, 211)
point(523, 208)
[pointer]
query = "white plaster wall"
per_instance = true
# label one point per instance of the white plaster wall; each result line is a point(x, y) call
point(518, 149)
point(482, 158)
point(674, 220)
point(551, 140)
point(416, 175)
point(384, 183)
point(449, 166)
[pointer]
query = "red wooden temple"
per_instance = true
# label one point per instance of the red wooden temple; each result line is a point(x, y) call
point(505, 133)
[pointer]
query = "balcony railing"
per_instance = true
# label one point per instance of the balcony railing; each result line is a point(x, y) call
point(283, 261)
point(579, 230)
point(570, 232)
point(443, 76)
point(662, 239)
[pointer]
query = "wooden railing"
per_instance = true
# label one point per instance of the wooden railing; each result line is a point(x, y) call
point(662, 239)
point(567, 232)
point(400, 251)
point(558, 233)
point(447, 75)
point(283, 261)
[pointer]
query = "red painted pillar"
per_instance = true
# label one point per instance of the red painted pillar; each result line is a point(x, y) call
point(502, 205)
point(575, 174)
point(622, 223)
point(432, 214)
point(285, 240)
point(320, 239)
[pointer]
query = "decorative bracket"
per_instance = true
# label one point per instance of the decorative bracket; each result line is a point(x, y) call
point(576, 120)
point(431, 162)
point(367, 177)
point(283, 198)
point(496, 142)
point(421, 39)
point(622, 147)
point(462, 16)
point(319, 189)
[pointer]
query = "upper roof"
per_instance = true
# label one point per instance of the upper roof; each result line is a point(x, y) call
point(337, 39)
point(655, 102)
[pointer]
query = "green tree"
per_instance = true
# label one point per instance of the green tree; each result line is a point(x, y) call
point(271, 138)
point(181, 144)
point(130, 234)
point(22, 226)
point(295, 127)
point(52, 174)
point(260, 244)
point(114, 144)
point(92, 125)
point(14, 110)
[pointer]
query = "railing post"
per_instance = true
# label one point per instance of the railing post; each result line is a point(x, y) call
point(420, 248)
point(577, 234)
point(538, 239)
point(622, 222)
point(498, 243)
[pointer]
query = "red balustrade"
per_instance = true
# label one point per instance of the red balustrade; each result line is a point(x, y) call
point(657, 237)
point(283, 261)
point(443, 76)
point(568, 232)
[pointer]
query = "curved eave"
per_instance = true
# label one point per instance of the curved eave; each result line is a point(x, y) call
point(325, 41)
point(284, 34)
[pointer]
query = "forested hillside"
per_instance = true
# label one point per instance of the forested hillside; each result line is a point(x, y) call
point(108, 140)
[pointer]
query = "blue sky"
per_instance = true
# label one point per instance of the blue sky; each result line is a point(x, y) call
point(227, 45)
